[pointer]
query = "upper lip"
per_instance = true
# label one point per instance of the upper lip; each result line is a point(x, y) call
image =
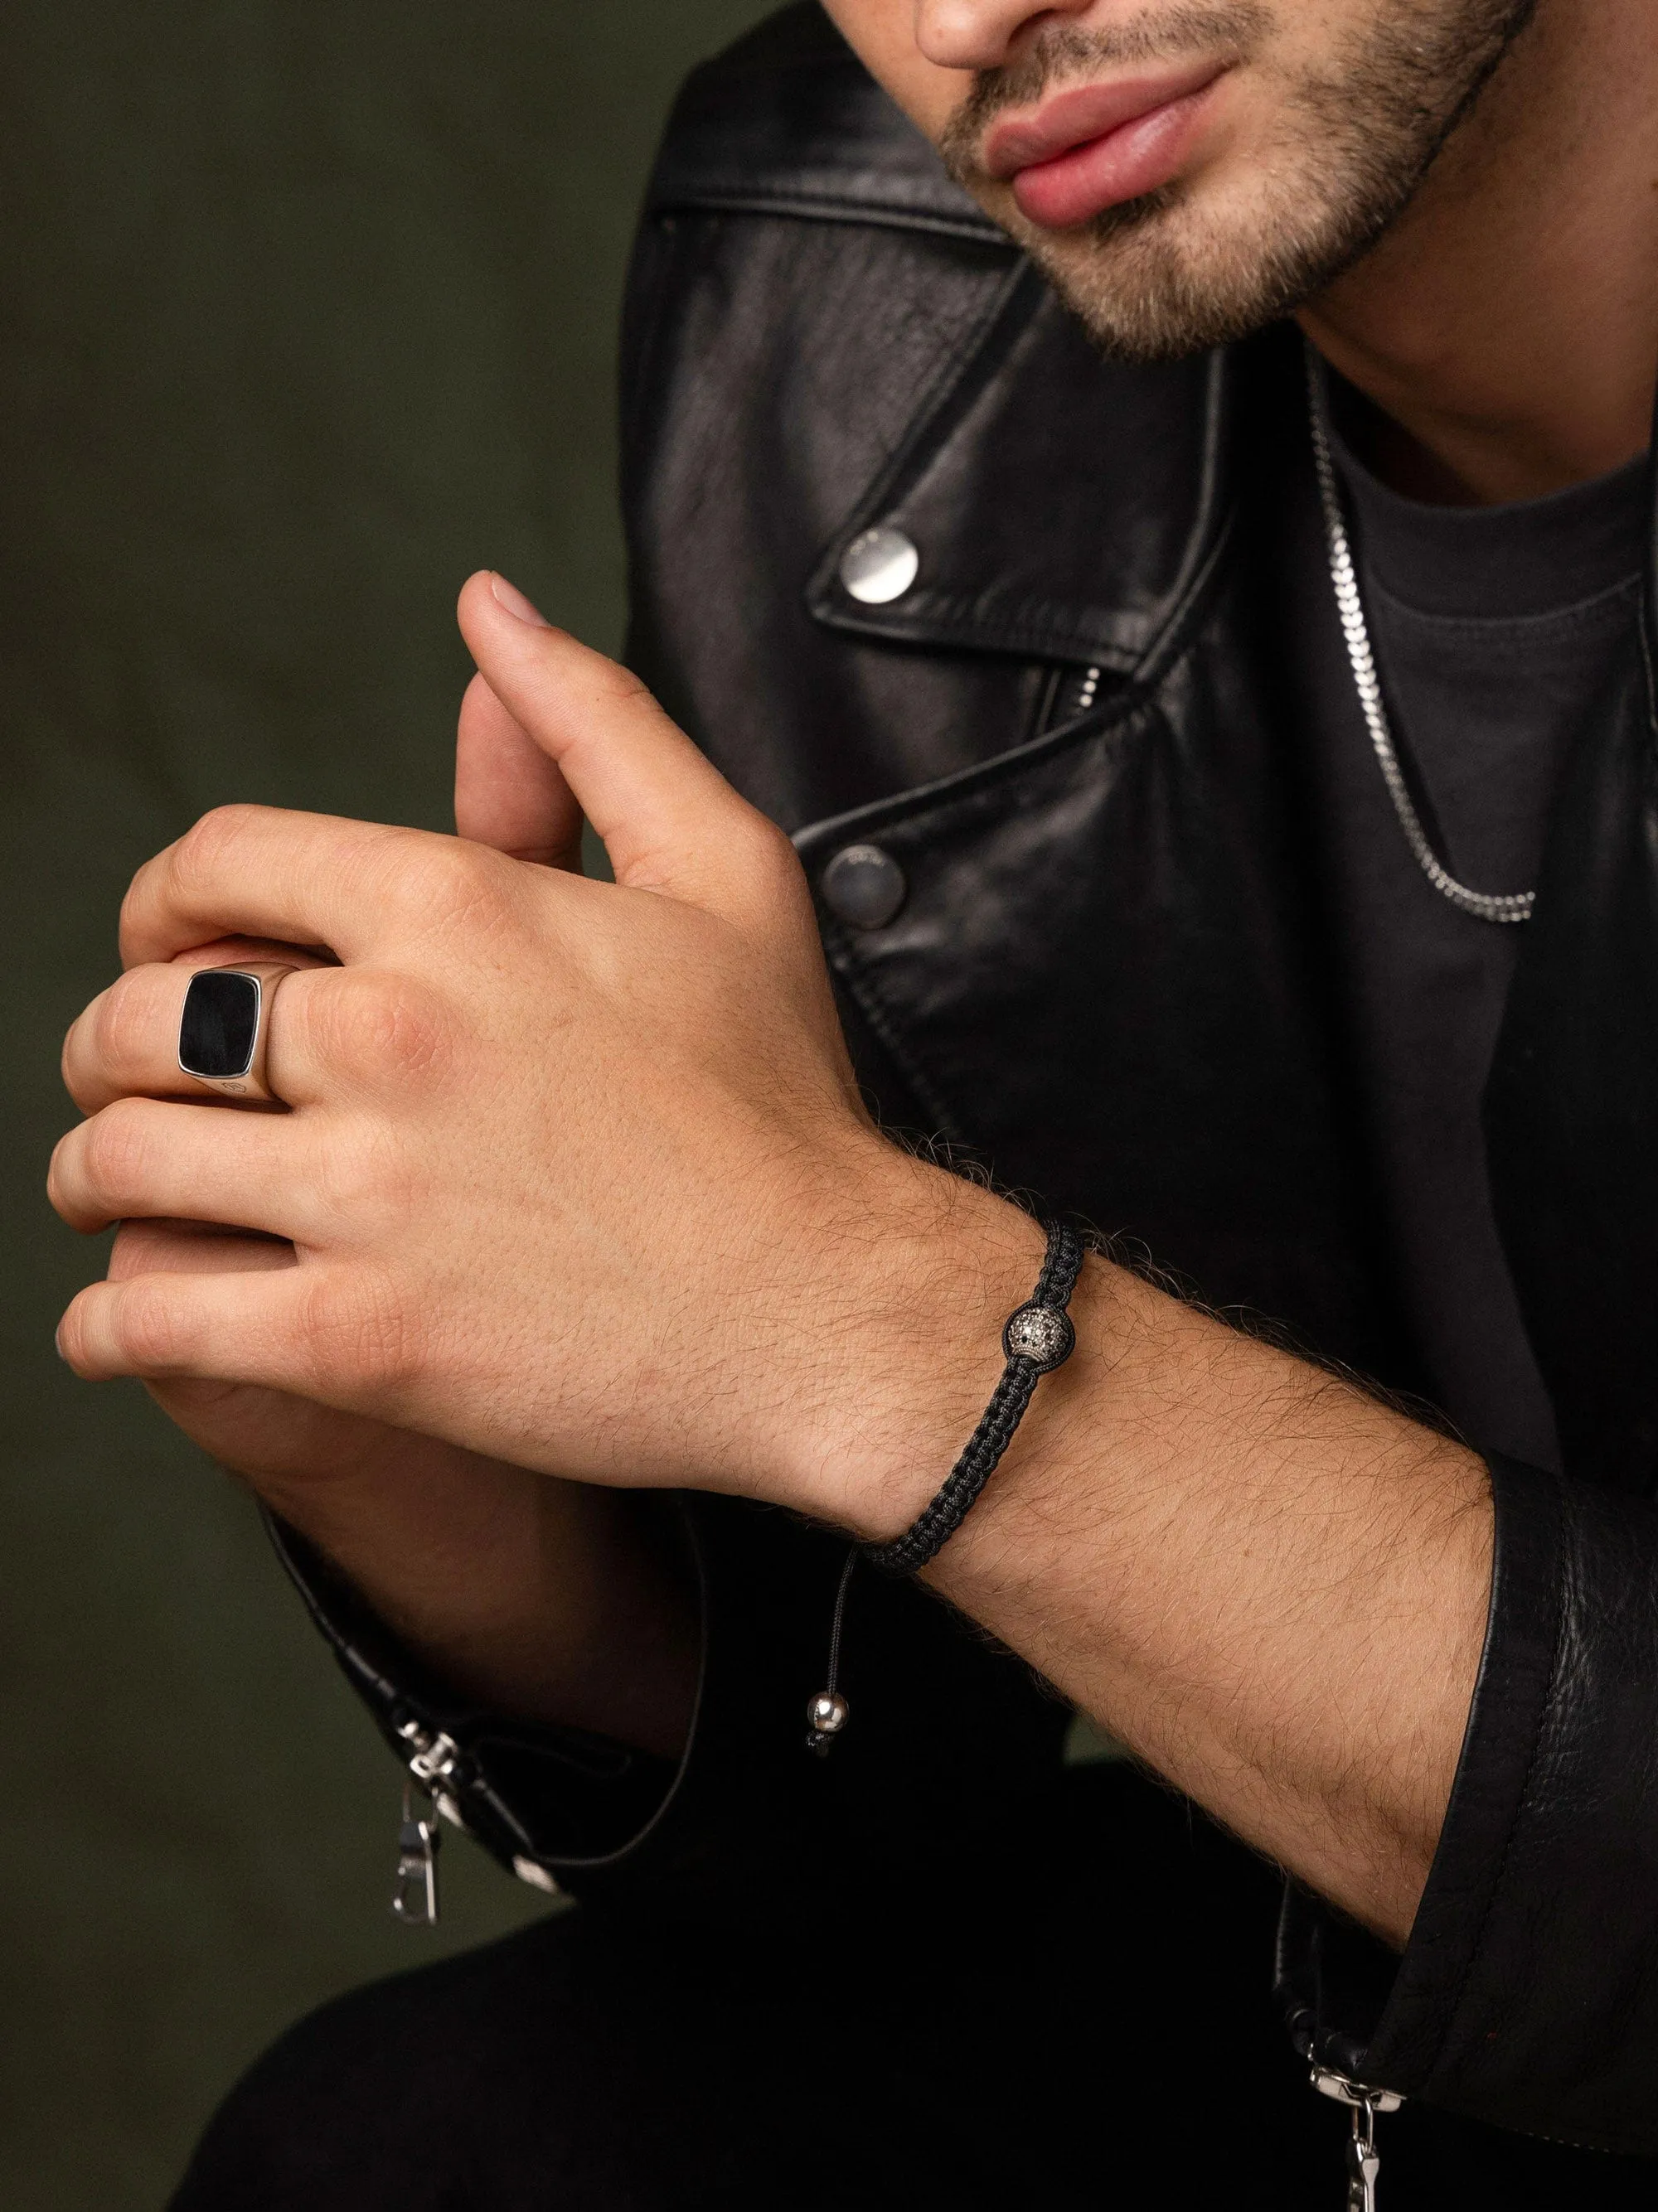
point(1086, 112)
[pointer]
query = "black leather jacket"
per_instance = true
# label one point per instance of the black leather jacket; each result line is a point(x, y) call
point(1105, 976)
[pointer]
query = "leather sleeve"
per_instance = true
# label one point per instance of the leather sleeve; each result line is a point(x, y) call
point(1527, 1995)
point(948, 1736)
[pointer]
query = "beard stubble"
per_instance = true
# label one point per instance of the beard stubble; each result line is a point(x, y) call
point(1166, 276)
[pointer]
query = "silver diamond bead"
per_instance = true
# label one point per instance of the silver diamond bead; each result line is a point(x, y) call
point(1039, 1334)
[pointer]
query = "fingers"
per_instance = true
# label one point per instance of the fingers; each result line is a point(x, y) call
point(235, 1327)
point(146, 1158)
point(508, 793)
point(193, 1248)
point(308, 879)
point(126, 1042)
point(669, 821)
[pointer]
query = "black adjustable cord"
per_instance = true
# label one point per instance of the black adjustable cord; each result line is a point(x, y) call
point(829, 1712)
point(1038, 1338)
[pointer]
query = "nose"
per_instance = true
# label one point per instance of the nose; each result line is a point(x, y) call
point(983, 35)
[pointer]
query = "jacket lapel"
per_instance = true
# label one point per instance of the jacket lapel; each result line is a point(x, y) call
point(1059, 504)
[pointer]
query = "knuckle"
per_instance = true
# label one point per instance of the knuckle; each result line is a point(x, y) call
point(382, 860)
point(114, 1152)
point(123, 1027)
point(184, 879)
point(146, 1326)
point(771, 862)
point(74, 1334)
point(201, 855)
point(80, 1048)
point(462, 883)
point(375, 1029)
point(617, 685)
point(136, 903)
point(58, 1171)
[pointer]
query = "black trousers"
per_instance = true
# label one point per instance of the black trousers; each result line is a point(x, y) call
point(1097, 2033)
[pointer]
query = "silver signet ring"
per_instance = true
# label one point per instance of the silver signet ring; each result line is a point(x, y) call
point(224, 1028)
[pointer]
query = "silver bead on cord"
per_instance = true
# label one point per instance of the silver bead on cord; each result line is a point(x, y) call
point(827, 1713)
point(1484, 906)
point(1039, 1334)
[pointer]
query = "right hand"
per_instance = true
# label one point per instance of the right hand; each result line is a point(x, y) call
point(507, 794)
point(521, 1587)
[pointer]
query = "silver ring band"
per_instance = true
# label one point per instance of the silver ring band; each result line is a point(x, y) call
point(224, 1028)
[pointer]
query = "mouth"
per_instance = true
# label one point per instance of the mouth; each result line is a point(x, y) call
point(1095, 146)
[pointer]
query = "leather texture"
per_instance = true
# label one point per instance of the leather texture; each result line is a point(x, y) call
point(1107, 980)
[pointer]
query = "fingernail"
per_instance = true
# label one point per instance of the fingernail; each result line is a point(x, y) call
point(509, 596)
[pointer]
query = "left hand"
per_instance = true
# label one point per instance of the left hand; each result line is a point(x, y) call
point(576, 1175)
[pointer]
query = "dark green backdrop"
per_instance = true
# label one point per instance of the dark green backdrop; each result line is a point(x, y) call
point(307, 311)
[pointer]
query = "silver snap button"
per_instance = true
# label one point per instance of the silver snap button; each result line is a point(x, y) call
point(864, 886)
point(879, 565)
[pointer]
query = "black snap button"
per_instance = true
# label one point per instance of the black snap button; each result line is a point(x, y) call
point(864, 886)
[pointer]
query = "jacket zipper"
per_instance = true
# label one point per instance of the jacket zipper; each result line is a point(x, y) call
point(1364, 2103)
point(433, 1761)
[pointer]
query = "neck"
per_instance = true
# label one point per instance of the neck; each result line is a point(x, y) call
point(1507, 326)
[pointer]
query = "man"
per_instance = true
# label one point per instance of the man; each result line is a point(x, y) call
point(1219, 757)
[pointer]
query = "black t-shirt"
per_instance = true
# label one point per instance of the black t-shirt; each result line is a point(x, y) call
point(1491, 629)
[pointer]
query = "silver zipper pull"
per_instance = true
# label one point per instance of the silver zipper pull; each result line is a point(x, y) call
point(414, 1893)
point(1364, 2103)
point(1362, 2164)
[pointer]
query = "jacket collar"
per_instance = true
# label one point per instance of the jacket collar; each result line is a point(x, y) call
point(787, 121)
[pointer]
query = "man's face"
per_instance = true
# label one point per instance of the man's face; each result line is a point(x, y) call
point(1188, 171)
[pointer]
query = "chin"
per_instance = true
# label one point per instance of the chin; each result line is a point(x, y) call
point(1190, 266)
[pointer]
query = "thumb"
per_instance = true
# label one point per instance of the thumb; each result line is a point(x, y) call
point(508, 792)
point(669, 820)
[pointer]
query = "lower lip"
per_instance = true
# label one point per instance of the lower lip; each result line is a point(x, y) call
point(1126, 164)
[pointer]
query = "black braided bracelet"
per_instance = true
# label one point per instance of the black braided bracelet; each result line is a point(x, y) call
point(1038, 1338)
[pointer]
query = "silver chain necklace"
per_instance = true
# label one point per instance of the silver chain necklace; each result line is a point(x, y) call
point(1484, 906)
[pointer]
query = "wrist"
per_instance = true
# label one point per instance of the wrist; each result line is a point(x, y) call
point(906, 1348)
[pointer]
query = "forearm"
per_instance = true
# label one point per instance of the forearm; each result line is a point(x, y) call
point(577, 1178)
point(1271, 1587)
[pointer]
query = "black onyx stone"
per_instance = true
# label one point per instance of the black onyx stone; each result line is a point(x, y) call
point(221, 1020)
point(864, 885)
